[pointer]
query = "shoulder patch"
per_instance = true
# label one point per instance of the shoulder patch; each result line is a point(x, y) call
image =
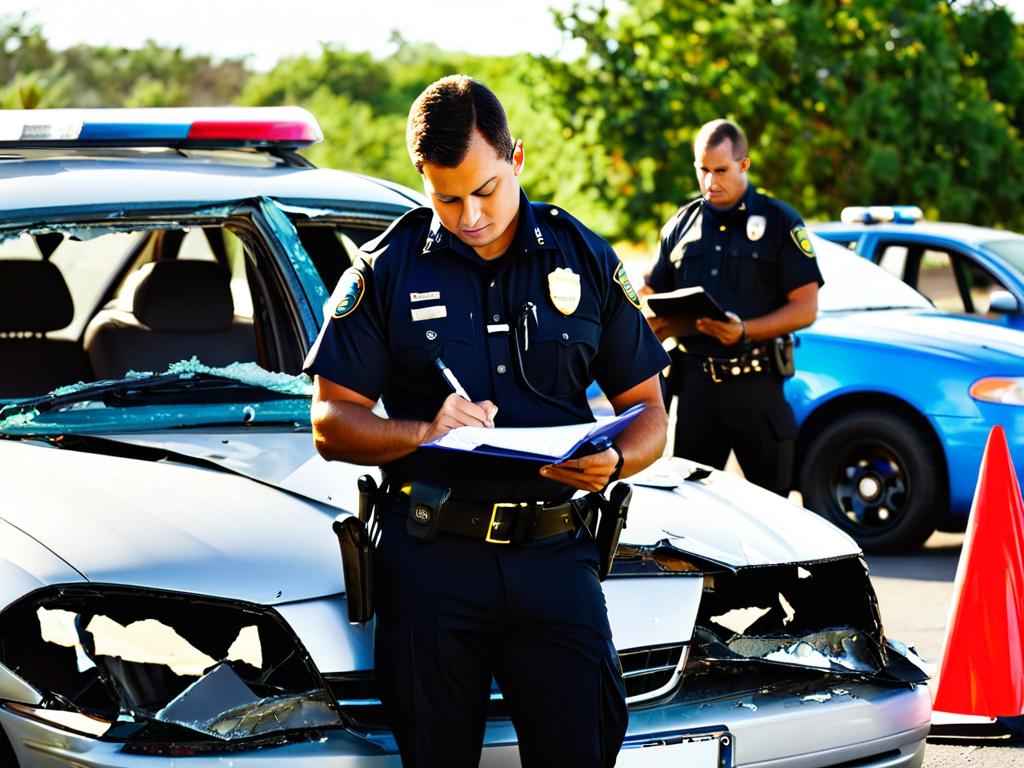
point(351, 287)
point(802, 240)
point(627, 287)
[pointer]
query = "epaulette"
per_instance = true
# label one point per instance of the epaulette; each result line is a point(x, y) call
point(553, 215)
point(415, 216)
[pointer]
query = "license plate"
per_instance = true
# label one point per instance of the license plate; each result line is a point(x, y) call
point(672, 750)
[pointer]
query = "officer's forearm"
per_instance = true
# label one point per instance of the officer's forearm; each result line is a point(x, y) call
point(798, 312)
point(643, 441)
point(345, 431)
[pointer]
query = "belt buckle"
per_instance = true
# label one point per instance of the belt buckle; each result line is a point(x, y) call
point(494, 524)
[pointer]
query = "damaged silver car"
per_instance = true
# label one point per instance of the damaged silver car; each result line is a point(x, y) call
point(170, 585)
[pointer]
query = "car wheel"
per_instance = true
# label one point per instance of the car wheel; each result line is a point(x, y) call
point(872, 473)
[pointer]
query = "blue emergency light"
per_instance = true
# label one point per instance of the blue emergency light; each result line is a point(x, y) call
point(179, 127)
point(879, 214)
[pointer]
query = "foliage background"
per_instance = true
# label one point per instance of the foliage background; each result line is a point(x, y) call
point(845, 101)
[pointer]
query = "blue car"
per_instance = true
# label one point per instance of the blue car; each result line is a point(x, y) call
point(967, 270)
point(895, 399)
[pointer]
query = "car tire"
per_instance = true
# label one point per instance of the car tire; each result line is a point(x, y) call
point(874, 474)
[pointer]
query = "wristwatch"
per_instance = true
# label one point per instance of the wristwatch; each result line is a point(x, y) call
point(618, 465)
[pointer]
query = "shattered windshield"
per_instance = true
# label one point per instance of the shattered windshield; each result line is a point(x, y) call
point(187, 394)
point(97, 319)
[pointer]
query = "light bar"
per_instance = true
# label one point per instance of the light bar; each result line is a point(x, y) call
point(179, 127)
point(879, 214)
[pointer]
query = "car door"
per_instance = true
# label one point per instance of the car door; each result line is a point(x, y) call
point(953, 279)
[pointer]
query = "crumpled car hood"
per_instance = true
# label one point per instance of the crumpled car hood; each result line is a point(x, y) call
point(170, 526)
point(180, 527)
point(720, 518)
point(725, 519)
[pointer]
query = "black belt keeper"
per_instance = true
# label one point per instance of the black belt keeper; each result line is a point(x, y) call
point(426, 505)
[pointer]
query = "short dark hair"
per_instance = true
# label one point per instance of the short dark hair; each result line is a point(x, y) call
point(714, 133)
point(442, 119)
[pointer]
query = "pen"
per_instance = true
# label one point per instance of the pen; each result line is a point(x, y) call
point(457, 388)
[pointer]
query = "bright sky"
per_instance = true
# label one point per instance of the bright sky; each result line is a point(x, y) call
point(272, 29)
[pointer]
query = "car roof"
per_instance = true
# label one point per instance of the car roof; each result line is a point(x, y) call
point(968, 233)
point(53, 183)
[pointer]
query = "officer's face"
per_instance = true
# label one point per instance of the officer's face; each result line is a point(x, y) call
point(723, 179)
point(478, 200)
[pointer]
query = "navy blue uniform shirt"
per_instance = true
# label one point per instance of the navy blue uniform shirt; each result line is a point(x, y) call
point(420, 293)
point(748, 257)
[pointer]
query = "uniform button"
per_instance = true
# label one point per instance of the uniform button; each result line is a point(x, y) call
point(501, 368)
point(722, 228)
point(714, 272)
point(495, 318)
point(492, 283)
point(718, 247)
point(554, 211)
point(565, 337)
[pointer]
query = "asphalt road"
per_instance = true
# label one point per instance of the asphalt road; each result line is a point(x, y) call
point(914, 593)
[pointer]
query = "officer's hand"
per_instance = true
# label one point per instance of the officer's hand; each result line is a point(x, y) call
point(459, 412)
point(588, 473)
point(677, 325)
point(728, 332)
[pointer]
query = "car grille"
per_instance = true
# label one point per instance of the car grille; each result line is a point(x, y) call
point(647, 672)
point(651, 672)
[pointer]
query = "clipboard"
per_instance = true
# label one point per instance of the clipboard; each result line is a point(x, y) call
point(693, 302)
point(519, 444)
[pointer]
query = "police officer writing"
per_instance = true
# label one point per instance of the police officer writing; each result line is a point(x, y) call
point(753, 255)
point(486, 573)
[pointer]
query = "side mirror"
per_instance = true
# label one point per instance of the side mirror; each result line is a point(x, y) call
point(1003, 303)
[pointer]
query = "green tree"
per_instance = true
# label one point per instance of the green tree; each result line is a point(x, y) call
point(845, 101)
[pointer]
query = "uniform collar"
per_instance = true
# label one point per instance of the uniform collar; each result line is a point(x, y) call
point(532, 233)
point(742, 207)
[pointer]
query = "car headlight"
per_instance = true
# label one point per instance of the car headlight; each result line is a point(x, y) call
point(999, 389)
point(158, 670)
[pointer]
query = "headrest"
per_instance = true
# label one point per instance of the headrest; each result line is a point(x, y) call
point(184, 295)
point(33, 296)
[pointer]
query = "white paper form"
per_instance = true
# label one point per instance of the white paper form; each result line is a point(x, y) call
point(551, 442)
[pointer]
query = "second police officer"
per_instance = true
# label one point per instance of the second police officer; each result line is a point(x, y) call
point(753, 255)
point(525, 306)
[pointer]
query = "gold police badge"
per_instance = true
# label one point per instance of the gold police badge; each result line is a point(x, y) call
point(564, 289)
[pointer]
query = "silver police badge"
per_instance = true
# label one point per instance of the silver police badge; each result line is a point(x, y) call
point(756, 226)
point(564, 289)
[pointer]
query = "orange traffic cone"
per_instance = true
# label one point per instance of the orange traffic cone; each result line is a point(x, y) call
point(982, 670)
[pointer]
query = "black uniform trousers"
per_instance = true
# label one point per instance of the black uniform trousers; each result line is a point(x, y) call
point(746, 414)
point(454, 612)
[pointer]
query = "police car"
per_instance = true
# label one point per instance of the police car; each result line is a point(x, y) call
point(170, 585)
point(965, 269)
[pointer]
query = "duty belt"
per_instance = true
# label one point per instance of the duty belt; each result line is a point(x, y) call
point(510, 522)
point(754, 361)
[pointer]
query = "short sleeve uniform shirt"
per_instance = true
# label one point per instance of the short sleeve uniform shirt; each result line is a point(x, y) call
point(748, 258)
point(528, 331)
